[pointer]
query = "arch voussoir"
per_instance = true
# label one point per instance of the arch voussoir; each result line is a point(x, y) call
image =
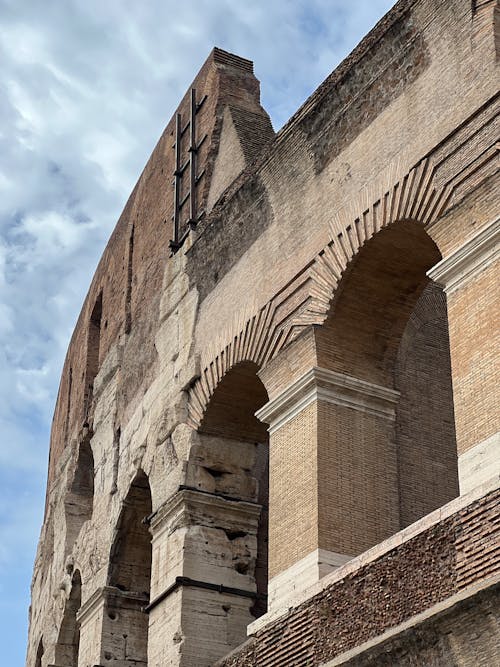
point(260, 337)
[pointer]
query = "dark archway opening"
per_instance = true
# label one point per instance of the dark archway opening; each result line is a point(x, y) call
point(388, 327)
point(80, 498)
point(236, 456)
point(93, 352)
point(39, 654)
point(68, 641)
point(126, 632)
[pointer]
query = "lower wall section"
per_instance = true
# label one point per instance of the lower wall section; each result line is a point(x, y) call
point(429, 567)
point(465, 634)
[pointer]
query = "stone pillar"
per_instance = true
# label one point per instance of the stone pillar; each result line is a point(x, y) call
point(333, 475)
point(90, 618)
point(203, 586)
point(113, 628)
point(469, 276)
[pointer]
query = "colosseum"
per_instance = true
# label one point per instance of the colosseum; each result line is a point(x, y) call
point(275, 441)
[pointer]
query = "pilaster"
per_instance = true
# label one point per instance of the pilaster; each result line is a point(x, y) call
point(469, 276)
point(203, 585)
point(333, 475)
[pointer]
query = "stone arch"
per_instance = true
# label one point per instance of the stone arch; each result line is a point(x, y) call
point(372, 344)
point(231, 459)
point(259, 338)
point(236, 398)
point(129, 579)
point(80, 496)
point(39, 653)
point(68, 641)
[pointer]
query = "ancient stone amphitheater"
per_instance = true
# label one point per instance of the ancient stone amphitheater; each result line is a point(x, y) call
point(276, 435)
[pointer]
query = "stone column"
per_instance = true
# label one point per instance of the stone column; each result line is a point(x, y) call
point(333, 475)
point(113, 628)
point(203, 586)
point(469, 276)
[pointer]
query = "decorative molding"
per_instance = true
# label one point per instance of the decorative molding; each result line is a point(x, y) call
point(321, 384)
point(189, 506)
point(467, 261)
point(307, 298)
point(91, 605)
point(102, 595)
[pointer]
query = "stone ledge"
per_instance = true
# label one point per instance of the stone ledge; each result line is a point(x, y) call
point(322, 384)
point(303, 574)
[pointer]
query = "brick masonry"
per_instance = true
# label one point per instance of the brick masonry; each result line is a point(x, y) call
point(409, 579)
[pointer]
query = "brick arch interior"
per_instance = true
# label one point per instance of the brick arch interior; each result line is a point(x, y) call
point(374, 301)
point(68, 641)
point(388, 328)
point(125, 630)
point(231, 411)
point(232, 459)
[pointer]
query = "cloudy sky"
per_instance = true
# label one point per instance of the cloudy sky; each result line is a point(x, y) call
point(86, 88)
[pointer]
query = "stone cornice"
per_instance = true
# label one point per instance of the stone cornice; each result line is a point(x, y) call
point(321, 384)
point(189, 507)
point(469, 259)
point(103, 595)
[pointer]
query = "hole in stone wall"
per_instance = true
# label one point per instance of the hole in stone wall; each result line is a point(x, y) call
point(215, 473)
point(234, 534)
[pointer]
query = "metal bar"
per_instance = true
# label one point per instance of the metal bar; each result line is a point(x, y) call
point(200, 103)
point(192, 161)
point(184, 200)
point(234, 499)
point(201, 142)
point(195, 583)
point(177, 175)
point(183, 168)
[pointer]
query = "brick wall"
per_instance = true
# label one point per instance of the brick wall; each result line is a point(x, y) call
point(408, 579)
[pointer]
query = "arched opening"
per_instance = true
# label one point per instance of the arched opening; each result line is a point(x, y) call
point(126, 623)
point(80, 497)
point(39, 654)
point(232, 460)
point(68, 641)
point(393, 451)
point(93, 352)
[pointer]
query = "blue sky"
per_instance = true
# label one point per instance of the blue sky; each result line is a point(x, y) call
point(86, 88)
